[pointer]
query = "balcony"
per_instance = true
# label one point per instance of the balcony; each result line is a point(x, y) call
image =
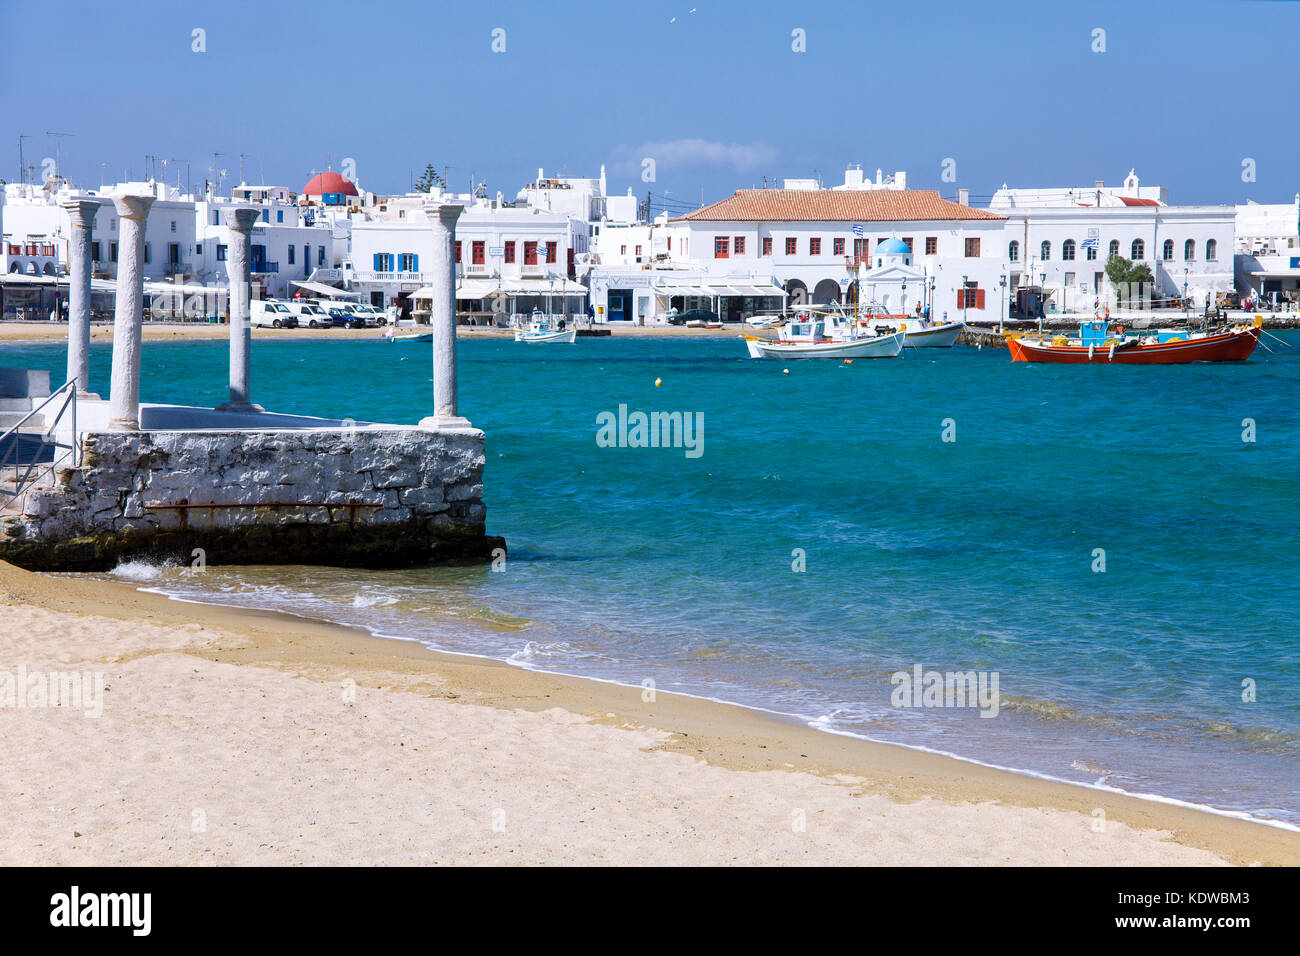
point(263, 267)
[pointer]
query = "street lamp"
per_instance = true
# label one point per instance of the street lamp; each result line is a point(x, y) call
point(1002, 311)
point(1186, 304)
point(1042, 300)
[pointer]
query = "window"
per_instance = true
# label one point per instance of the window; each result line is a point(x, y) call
point(1189, 249)
point(198, 248)
point(622, 250)
point(551, 250)
point(932, 245)
point(266, 215)
point(408, 262)
point(291, 253)
point(458, 250)
point(837, 249)
point(1167, 251)
point(767, 245)
point(815, 246)
point(1067, 250)
point(738, 244)
point(1139, 250)
point(1013, 251)
point(320, 256)
point(972, 248)
point(478, 252)
point(1211, 249)
point(94, 251)
point(112, 251)
point(721, 247)
point(791, 246)
point(861, 248)
point(1114, 248)
point(530, 253)
point(279, 215)
point(221, 253)
point(971, 296)
point(509, 250)
point(148, 252)
point(1045, 251)
point(173, 225)
point(1069, 279)
point(907, 241)
point(1090, 253)
point(638, 252)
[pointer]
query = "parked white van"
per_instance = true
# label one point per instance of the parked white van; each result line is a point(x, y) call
point(312, 316)
point(269, 313)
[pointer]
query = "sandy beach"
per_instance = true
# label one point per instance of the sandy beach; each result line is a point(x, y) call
point(229, 737)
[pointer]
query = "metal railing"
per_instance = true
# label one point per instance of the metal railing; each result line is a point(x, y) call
point(29, 455)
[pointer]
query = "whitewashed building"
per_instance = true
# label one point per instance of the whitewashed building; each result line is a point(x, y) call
point(1060, 239)
point(1267, 251)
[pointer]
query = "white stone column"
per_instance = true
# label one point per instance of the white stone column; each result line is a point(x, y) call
point(442, 315)
point(128, 312)
point(239, 269)
point(81, 213)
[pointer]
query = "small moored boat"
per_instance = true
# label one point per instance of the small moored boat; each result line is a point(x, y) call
point(806, 337)
point(1097, 343)
point(542, 329)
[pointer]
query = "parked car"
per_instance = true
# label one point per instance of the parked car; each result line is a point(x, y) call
point(693, 315)
point(273, 314)
point(344, 318)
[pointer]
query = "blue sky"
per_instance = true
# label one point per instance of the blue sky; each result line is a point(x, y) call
point(1011, 92)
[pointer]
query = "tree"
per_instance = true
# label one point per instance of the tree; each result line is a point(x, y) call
point(428, 179)
point(1128, 279)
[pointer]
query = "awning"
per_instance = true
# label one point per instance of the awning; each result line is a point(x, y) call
point(704, 288)
point(490, 288)
point(329, 291)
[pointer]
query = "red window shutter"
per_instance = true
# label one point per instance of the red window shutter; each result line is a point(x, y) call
point(979, 298)
point(961, 298)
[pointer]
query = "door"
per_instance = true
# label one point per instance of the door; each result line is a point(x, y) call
point(620, 305)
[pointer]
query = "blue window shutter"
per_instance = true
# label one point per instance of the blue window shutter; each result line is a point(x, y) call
point(377, 269)
point(415, 262)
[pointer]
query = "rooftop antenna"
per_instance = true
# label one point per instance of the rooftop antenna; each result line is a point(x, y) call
point(22, 178)
point(58, 151)
point(241, 168)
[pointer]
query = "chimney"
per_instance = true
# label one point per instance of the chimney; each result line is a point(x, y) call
point(900, 179)
point(963, 196)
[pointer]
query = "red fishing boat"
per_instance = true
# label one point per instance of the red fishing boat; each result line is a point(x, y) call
point(1097, 343)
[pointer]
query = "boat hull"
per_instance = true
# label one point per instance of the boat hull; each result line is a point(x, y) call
point(939, 337)
point(421, 337)
point(1234, 346)
point(542, 338)
point(884, 346)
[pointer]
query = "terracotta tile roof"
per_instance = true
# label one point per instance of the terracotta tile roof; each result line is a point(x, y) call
point(1130, 201)
point(840, 205)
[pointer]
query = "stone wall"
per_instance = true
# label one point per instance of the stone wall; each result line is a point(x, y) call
point(370, 496)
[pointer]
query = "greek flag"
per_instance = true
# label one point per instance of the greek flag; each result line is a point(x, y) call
point(1090, 243)
point(857, 230)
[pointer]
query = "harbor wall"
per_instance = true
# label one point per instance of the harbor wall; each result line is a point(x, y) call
point(377, 496)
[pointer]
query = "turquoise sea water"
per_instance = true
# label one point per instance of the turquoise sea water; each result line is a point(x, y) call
point(976, 554)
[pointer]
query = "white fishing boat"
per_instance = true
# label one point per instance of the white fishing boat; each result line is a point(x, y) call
point(924, 334)
point(543, 329)
point(807, 337)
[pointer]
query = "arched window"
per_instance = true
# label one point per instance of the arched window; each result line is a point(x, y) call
point(1211, 249)
point(1189, 249)
point(1067, 249)
point(1139, 250)
point(1013, 251)
point(1114, 248)
point(1168, 252)
point(1045, 251)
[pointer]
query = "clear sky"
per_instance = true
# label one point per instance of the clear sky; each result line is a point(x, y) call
point(1011, 92)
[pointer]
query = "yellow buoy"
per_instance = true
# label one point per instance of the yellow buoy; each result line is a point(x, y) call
point(658, 382)
point(785, 371)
